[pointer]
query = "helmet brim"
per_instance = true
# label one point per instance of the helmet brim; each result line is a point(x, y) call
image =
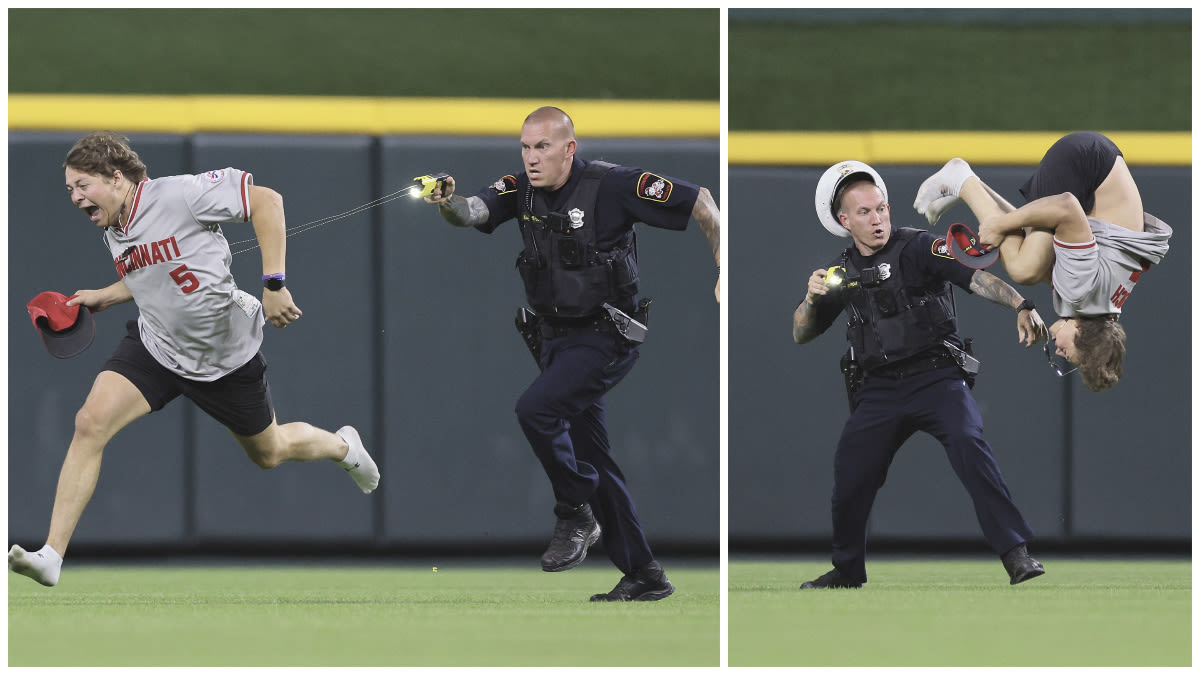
point(829, 184)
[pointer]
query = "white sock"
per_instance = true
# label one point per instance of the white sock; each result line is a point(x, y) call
point(959, 172)
point(43, 566)
point(358, 462)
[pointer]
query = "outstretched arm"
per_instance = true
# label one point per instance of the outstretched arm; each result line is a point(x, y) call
point(458, 211)
point(1030, 327)
point(708, 217)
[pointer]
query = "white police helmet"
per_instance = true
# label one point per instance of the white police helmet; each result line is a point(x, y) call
point(827, 188)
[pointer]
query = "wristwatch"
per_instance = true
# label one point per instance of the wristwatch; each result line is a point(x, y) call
point(273, 282)
point(1025, 304)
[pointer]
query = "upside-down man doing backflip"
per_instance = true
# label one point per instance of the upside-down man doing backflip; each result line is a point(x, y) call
point(1083, 231)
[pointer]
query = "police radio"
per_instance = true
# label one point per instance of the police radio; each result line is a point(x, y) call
point(424, 186)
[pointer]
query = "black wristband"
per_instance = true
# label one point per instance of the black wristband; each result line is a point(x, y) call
point(1025, 304)
point(273, 282)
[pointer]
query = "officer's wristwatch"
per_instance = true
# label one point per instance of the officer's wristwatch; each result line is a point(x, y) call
point(1025, 304)
point(273, 282)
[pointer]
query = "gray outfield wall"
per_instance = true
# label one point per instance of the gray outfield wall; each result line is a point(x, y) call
point(1082, 467)
point(407, 334)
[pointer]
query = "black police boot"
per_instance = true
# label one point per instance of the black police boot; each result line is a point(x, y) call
point(1020, 565)
point(647, 582)
point(575, 531)
point(831, 579)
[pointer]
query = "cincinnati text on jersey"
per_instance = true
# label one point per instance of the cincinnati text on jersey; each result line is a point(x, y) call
point(143, 255)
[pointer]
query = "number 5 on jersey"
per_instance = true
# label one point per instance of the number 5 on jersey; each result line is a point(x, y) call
point(187, 280)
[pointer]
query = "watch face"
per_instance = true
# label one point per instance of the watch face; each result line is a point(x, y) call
point(274, 284)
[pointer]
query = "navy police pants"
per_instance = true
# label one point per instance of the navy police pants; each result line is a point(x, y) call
point(562, 415)
point(889, 411)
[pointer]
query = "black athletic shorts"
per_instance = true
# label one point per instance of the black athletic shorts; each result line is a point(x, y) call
point(1077, 163)
point(240, 400)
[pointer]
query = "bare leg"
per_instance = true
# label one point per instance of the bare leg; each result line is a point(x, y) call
point(302, 442)
point(1028, 256)
point(293, 442)
point(1118, 200)
point(110, 406)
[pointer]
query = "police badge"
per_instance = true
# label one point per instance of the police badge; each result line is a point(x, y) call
point(576, 216)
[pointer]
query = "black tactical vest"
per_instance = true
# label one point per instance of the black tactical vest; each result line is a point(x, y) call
point(565, 274)
point(889, 319)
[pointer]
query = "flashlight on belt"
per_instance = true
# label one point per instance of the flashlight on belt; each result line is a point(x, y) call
point(423, 186)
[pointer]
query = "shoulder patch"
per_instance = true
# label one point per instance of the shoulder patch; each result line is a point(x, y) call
point(653, 187)
point(215, 176)
point(505, 185)
point(939, 249)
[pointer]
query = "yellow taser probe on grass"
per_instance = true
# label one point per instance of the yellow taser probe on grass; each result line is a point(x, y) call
point(423, 186)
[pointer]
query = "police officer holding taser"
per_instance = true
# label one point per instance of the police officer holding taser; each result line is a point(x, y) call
point(907, 369)
point(580, 269)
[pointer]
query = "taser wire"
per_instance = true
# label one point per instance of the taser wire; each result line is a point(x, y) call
point(297, 229)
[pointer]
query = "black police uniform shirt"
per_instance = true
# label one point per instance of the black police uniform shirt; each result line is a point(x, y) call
point(926, 262)
point(627, 195)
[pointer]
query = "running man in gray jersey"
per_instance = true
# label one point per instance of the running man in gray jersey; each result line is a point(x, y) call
point(197, 335)
point(1083, 231)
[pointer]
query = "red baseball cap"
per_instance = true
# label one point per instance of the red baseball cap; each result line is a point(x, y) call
point(966, 249)
point(66, 330)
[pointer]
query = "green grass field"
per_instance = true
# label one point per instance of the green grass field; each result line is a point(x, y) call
point(956, 612)
point(359, 616)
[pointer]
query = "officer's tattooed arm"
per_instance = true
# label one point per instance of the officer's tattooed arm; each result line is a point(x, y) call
point(458, 211)
point(991, 287)
point(1030, 327)
point(464, 211)
point(804, 319)
point(708, 217)
point(804, 323)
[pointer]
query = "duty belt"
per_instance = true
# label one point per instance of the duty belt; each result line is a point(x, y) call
point(596, 323)
point(915, 365)
point(610, 321)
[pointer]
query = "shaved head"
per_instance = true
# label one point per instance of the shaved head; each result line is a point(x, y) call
point(556, 118)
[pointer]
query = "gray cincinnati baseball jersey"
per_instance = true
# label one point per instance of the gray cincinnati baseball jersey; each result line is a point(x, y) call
point(1097, 277)
point(175, 260)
